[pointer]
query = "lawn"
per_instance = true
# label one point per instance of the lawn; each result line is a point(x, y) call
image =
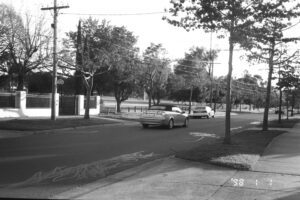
point(47, 124)
point(290, 123)
point(246, 148)
point(244, 151)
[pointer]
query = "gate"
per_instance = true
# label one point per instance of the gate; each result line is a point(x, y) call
point(67, 105)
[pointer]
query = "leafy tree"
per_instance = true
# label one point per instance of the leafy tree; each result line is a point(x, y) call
point(124, 65)
point(193, 69)
point(154, 72)
point(265, 37)
point(86, 54)
point(220, 16)
point(25, 44)
point(289, 82)
point(106, 54)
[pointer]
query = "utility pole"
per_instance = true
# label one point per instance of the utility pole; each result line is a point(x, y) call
point(55, 8)
point(211, 72)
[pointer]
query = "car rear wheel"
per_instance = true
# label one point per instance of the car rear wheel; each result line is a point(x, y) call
point(171, 124)
point(186, 122)
point(145, 125)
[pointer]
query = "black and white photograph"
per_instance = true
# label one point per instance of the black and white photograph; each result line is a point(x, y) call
point(150, 99)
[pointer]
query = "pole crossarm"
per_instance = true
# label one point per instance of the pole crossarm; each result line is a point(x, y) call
point(56, 7)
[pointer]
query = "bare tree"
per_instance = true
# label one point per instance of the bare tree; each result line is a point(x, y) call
point(26, 46)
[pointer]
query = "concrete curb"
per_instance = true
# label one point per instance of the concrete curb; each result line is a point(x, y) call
point(116, 122)
point(49, 131)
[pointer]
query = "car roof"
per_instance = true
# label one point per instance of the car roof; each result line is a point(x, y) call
point(165, 104)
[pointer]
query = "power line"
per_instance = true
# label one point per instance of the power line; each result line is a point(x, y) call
point(117, 14)
point(287, 28)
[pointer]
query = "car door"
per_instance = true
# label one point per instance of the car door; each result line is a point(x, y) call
point(178, 116)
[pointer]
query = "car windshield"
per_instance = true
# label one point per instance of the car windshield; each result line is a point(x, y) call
point(157, 108)
point(200, 108)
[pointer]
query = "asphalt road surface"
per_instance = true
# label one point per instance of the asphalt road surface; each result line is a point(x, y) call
point(21, 157)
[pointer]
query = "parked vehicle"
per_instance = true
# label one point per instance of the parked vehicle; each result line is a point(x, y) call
point(165, 115)
point(277, 112)
point(202, 111)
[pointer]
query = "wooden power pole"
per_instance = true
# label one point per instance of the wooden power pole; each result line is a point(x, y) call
point(55, 8)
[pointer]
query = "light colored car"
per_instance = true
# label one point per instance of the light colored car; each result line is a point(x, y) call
point(165, 115)
point(202, 111)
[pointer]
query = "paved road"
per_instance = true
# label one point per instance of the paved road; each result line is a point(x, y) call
point(21, 157)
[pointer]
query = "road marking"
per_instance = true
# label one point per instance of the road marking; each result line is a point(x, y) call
point(255, 123)
point(235, 128)
point(201, 136)
point(97, 169)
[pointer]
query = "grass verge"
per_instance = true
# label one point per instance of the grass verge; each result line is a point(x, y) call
point(123, 116)
point(242, 154)
point(47, 124)
point(285, 123)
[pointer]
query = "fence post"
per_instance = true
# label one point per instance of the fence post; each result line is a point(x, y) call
point(80, 104)
point(57, 103)
point(98, 106)
point(20, 100)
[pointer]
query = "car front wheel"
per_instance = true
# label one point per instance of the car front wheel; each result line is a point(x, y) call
point(170, 124)
point(186, 122)
point(145, 125)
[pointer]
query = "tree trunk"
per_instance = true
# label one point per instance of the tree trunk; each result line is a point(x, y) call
point(20, 82)
point(118, 105)
point(158, 100)
point(149, 98)
point(190, 99)
point(227, 139)
point(87, 105)
point(268, 96)
point(287, 107)
point(88, 98)
point(280, 104)
point(293, 104)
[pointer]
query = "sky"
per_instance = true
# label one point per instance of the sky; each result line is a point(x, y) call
point(148, 28)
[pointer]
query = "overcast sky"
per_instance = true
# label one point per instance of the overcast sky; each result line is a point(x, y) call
point(148, 28)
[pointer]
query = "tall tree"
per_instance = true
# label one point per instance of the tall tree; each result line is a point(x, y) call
point(215, 15)
point(154, 72)
point(26, 44)
point(124, 64)
point(87, 54)
point(106, 57)
point(266, 36)
point(289, 83)
point(193, 68)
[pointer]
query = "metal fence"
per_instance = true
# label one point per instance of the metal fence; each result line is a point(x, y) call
point(93, 102)
point(7, 100)
point(38, 101)
point(124, 109)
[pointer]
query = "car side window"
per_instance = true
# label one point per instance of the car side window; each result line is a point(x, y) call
point(176, 109)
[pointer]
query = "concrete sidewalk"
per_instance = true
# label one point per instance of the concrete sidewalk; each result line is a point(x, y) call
point(275, 176)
